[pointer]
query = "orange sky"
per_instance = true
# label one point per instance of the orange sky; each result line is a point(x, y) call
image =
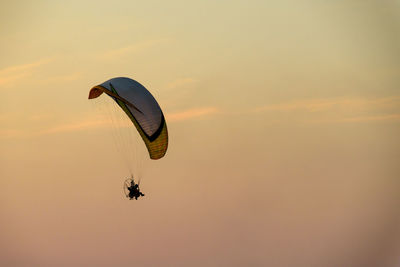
point(283, 118)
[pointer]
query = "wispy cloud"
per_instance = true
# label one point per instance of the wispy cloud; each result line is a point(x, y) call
point(11, 74)
point(308, 105)
point(180, 90)
point(76, 126)
point(11, 133)
point(122, 51)
point(315, 105)
point(63, 78)
point(339, 109)
point(30, 128)
point(191, 114)
point(99, 122)
point(95, 122)
point(181, 82)
point(388, 117)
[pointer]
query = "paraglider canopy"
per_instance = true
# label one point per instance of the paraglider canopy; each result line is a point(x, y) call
point(141, 108)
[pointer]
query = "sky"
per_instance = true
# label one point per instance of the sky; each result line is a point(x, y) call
point(283, 120)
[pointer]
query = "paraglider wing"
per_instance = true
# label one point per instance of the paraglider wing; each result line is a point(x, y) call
point(142, 109)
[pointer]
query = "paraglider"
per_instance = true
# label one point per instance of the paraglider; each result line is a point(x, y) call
point(132, 189)
point(143, 112)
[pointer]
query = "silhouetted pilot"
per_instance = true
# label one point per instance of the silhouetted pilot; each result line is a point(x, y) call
point(134, 191)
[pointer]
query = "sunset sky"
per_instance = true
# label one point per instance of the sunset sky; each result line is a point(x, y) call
point(283, 120)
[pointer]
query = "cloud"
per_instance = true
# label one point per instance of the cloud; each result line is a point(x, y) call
point(63, 78)
point(314, 105)
point(339, 109)
point(179, 91)
point(78, 126)
point(191, 114)
point(98, 122)
point(11, 74)
point(308, 105)
point(122, 51)
point(94, 122)
point(31, 130)
point(182, 82)
point(387, 117)
point(11, 133)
